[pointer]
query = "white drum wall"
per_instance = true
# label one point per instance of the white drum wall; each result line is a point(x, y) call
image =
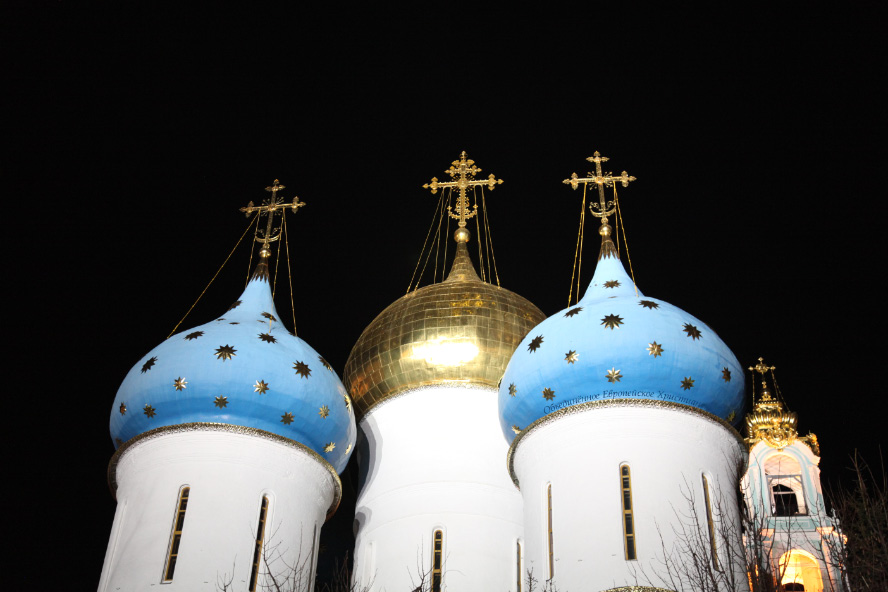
point(435, 458)
point(580, 454)
point(228, 474)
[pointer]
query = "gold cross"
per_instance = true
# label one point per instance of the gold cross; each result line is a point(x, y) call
point(603, 208)
point(463, 171)
point(761, 367)
point(269, 207)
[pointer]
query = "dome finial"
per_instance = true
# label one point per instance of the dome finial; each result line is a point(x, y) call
point(604, 207)
point(769, 421)
point(268, 208)
point(462, 172)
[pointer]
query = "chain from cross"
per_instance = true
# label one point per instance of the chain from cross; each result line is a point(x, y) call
point(603, 208)
point(269, 207)
point(463, 172)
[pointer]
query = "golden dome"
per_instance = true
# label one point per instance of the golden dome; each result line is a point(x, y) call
point(462, 330)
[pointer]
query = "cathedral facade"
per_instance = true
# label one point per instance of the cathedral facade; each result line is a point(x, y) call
point(498, 449)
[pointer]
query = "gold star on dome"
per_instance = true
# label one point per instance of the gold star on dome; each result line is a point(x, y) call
point(513, 390)
point(692, 331)
point(235, 305)
point(571, 357)
point(535, 343)
point(348, 448)
point(302, 369)
point(267, 338)
point(649, 304)
point(149, 411)
point(516, 429)
point(731, 416)
point(655, 349)
point(573, 312)
point(612, 284)
point(348, 402)
point(225, 352)
point(613, 375)
point(260, 387)
point(180, 383)
point(194, 335)
point(269, 316)
point(548, 394)
point(123, 408)
point(287, 418)
point(687, 383)
point(330, 446)
point(726, 375)
point(148, 364)
point(324, 411)
point(221, 401)
point(325, 363)
point(612, 321)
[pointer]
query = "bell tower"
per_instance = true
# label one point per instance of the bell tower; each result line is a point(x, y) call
point(791, 532)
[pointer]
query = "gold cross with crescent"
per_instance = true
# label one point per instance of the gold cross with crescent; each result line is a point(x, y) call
point(269, 207)
point(463, 172)
point(603, 208)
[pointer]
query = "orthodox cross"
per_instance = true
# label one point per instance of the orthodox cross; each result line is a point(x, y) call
point(762, 369)
point(269, 207)
point(603, 208)
point(463, 172)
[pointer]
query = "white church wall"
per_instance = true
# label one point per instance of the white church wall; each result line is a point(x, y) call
point(435, 458)
point(580, 454)
point(228, 474)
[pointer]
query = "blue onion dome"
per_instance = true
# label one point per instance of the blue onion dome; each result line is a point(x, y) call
point(616, 343)
point(459, 331)
point(243, 369)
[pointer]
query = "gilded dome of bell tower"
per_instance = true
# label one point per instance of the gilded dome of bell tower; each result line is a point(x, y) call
point(462, 330)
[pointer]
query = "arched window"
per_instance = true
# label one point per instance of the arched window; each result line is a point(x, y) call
point(800, 571)
point(628, 519)
point(551, 539)
point(784, 475)
point(710, 522)
point(260, 541)
point(518, 564)
point(176, 538)
point(438, 561)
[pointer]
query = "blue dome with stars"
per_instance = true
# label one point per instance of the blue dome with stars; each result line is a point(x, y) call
point(616, 343)
point(246, 369)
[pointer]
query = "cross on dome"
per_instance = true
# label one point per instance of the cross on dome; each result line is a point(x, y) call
point(463, 172)
point(269, 207)
point(603, 208)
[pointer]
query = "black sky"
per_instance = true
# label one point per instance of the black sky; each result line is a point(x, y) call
point(133, 135)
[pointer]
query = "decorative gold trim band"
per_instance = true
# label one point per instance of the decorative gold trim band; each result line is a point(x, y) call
point(200, 426)
point(592, 405)
point(637, 589)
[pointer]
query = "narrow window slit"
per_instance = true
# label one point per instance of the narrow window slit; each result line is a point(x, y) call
point(437, 561)
point(628, 521)
point(176, 539)
point(260, 541)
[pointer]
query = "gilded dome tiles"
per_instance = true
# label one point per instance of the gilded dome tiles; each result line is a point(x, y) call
point(462, 330)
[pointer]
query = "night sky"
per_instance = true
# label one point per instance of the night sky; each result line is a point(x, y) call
point(132, 137)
